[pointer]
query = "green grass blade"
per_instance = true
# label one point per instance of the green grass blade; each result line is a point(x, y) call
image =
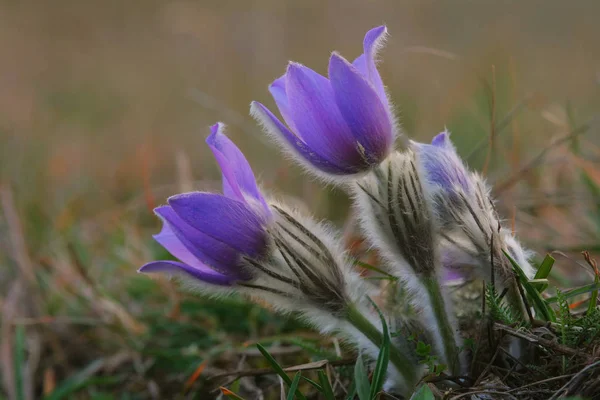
point(543, 272)
point(327, 389)
point(351, 391)
point(538, 302)
point(75, 382)
point(380, 371)
point(424, 393)
point(361, 379)
point(314, 384)
point(575, 292)
point(19, 360)
point(294, 386)
point(594, 297)
point(277, 368)
point(375, 269)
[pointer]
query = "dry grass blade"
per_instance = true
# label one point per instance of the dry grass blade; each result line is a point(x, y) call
point(17, 238)
point(10, 310)
point(574, 381)
point(303, 367)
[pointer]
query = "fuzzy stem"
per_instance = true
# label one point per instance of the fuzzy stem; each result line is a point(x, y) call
point(403, 364)
point(445, 328)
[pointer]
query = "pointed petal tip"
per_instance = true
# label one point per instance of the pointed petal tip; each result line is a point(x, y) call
point(257, 110)
point(183, 198)
point(442, 139)
point(337, 60)
point(379, 29)
point(215, 130)
point(295, 69)
point(148, 268)
point(254, 107)
point(278, 83)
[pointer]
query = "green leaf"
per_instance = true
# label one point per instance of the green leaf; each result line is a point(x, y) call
point(327, 389)
point(594, 298)
point(423, 393)
point(351, 391)
point(575, 292)
point(423, 349)
point(538, 302)
point(19, 360)
point(375, 269)
point(314, 384)
point(361, 379)
point(277, 368)
point(543, 272)
point(380, 371)
point(294, 386)
point(76, 381)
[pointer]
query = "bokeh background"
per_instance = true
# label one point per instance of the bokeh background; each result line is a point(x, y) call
point(104, 108)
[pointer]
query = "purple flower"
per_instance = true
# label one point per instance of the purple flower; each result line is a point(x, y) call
point(442, 164)
point(341, 125)
point(210, 233)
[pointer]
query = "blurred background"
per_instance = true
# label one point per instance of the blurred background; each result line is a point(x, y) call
point(104, 108)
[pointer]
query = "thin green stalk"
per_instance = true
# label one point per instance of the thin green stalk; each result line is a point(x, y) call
point(446, 331)
point(402, 363)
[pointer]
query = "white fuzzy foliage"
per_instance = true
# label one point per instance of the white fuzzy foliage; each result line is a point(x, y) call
point(394, 207)
point(473, 235)
point(318, 291)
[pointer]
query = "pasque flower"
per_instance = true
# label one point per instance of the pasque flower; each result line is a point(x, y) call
point(211, 233)
point(341, 125)
point(472, 236)
point(239, 242)
point(443, 165)
point(396, 209)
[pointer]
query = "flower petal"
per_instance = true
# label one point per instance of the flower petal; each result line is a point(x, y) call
point(443, 165)
point(224, 219)
point(292, 142)
point(167, 239)
point(451, 274)
point(317, 118)
point(277, 90)
point(204, 248)
point(202, 273)
point(238, 177)
point(365, 63)
point(442, 139)
point(362, 109)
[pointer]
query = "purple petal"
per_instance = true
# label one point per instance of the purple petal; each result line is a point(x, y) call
point(366, 62)
point(277, 90)
point(224, 219)
point(443, 165)
point(204, 248)
point(362, 109)
point(450, 274)
point(238, 177)
point(317, 118)
point(167, 239)
point(295, 143)
point(202, 273)
point(442, 139)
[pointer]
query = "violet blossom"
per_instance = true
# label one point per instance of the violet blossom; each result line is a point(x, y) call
point(211, 233)
point(341, 125)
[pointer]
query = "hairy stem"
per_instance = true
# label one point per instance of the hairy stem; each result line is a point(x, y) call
point(403, 364)
point(444, 324)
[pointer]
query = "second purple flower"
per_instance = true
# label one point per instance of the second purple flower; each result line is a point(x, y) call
point(340, 126)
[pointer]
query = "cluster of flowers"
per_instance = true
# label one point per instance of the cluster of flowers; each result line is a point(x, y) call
point(429, 217)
